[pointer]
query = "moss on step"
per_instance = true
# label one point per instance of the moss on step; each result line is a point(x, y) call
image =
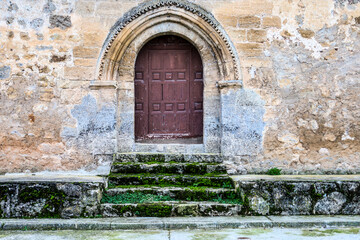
point(53, 197)
point(173, 180)
point(169, 168)
point(134, 197)
point(142, 196)
point(144, 210)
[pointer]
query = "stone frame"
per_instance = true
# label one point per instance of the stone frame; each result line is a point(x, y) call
point(116, 64)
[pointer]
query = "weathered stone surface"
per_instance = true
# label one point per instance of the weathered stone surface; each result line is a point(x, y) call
point(47, 199)
point(59, 21)
point(256, 35)
point(259, 205)
point(306, 33)
point(248, 22)
point(242, 124)
point(301, 197)
point(331, 204)
point(272, 21)
point(169, 209)
point(85, 52)
point(5, 72)
point(37, 23)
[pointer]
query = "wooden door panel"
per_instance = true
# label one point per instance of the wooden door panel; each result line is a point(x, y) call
point(156, 90)
point(168, 90)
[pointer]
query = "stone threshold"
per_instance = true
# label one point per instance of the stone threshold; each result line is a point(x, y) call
point(296, 178)
point(180, 223)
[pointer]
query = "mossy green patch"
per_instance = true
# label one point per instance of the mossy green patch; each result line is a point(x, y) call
point(145, 210)
point(255, 231)
point(53, 199)
point(135, 197)
point(169, 168)
point(329, 232)
point(170, 180)
point(274, 171)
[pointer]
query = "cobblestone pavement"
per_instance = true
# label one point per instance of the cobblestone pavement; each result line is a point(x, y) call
point(226, 234)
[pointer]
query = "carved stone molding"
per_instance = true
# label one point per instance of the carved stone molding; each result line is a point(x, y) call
point(102, 84)
point(229, 84)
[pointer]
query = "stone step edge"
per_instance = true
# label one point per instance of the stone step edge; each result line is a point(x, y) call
point(171, 168)
point(137, 189)
point(295, 178)
point(165, 157)
point(167, 163)
point(181, 223)
point(177, 194)
point(170, 154)
point(162, 175)
point(170, 209)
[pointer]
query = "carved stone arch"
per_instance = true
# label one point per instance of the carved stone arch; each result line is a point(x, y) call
point(149, 14)
point(116, 63)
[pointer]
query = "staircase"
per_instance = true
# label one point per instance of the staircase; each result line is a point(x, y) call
point(166, 185)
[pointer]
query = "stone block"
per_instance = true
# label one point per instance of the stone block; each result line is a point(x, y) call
point(59, 21)
point(85, 62)
point(5, 72)
point(249, 22)
point(84, 8)
point(228, 20)
point(93, 39)
point(105, 8)
point(250, 49)
point(79, 73)
point(272, 21)
point(24, 36)
point(256, 35)
point(85, 52)
point(237, 35)
point(306, 33)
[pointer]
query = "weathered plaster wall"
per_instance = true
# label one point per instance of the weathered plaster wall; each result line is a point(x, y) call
point(301, 58)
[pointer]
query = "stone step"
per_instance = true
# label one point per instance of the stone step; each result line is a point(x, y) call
point(168, 157)
point(170, 209)
point(177, 193)
point(163, 180)
point(176, 168)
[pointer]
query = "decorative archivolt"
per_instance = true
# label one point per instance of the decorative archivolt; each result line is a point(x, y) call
point(152, 13)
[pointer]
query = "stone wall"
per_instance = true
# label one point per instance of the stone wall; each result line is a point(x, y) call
point(25, 198)
point(299, 58)
point(308, 195)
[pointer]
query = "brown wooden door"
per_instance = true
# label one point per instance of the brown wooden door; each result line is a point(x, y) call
point(168, 90)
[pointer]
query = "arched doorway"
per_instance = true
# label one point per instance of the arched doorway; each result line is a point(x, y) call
point(168, 90)
point(221, 70)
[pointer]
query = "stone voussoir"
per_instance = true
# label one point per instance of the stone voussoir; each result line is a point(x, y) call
point(170, 209)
